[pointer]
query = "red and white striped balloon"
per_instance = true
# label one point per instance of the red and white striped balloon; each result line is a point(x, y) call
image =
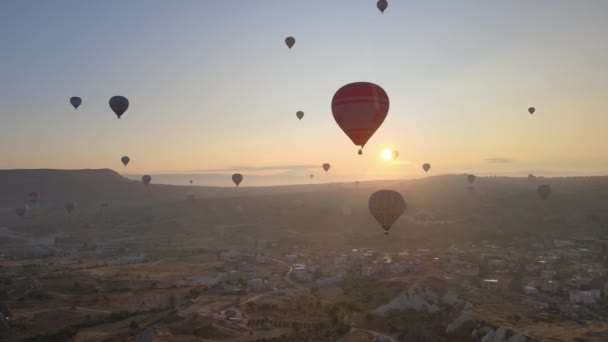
point(359, 109)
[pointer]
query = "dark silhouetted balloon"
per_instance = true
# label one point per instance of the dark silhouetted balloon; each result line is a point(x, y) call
point(386, 206)
point(326, 167)
point(382, 5)
point(76, 101)
point(125, 160)
point(544, 191)
point(471, 179)
point(21, 209)
point(34, 197)
point(119, 105)
point(312, 176)
point(531, 110)
point(146, 179)
point(237, 178)
point(290, 41)
point(359, 109)
point(191, 181)
point(69, 206)
point(300, 114)
point(426, 167)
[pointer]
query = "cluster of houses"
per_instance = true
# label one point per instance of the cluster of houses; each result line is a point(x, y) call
point(568, 276)
point(336, 268)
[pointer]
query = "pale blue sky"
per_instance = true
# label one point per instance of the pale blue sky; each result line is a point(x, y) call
point(212, 84)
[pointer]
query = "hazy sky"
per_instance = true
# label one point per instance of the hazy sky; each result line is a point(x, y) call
point(213, 86)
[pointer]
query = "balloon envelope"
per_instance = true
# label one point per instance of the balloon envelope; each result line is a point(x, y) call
point(471, 179)
point(125, 160)
point(146, 179)
point(237, 178)
point(300, 114)
point(21, 209)
point(426, 167)
point(290, 41)
point(326, 167)
point(382, 5)
point(76, 101)
point(359, 109)
point(69, 206)
point(531, 110)
point(119, 105)
point(544, 191)
point(386, 206)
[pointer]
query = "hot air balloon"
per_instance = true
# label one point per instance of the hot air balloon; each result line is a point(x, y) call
point(119, 105)
point(21, 209)
point(237, 178)
point(34, 197)
point(146, 179)
point(300, 114)
point(471, 179)
point(125, 160)
point(395, 154)
point(544, 191)
point(191, 181)
point(359, 109)
point(312, 176)
point(382, 5)
point(69, 206)
point(326, 167)
point(76, 101)
point(426, 167)
point(531, 110)
point(386, 206)
point(290, 41)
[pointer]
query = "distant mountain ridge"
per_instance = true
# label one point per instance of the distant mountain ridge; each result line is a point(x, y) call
point(107, 185)
point(77, 185)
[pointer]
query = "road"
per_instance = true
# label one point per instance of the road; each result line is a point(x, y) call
point(287, 276)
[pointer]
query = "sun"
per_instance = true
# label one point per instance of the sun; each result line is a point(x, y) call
point(387, 155)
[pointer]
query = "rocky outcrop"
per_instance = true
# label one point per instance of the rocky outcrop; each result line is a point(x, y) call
point(489, 334)
point(465, 320)
point(420, 298)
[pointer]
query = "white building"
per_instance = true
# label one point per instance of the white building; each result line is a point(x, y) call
point(491, 285)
